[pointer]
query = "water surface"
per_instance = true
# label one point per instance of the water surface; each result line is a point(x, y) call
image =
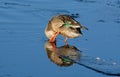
point(22, 39)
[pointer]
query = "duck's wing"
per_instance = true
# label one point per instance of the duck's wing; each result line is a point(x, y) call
point(61, 27)
point(97, 64)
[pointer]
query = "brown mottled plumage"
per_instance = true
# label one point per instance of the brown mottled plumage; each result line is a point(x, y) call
point(64, 25)
point(56, 54)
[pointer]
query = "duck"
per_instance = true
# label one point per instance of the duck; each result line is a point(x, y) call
point(62, 55)
point(64, 25)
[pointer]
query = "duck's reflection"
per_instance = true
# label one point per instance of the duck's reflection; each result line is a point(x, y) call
point(57, 54)
point(67, 55)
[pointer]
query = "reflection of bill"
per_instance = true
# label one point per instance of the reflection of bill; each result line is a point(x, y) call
point(67, 55)
point(55, 54)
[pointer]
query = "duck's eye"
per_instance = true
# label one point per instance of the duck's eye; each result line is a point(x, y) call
point(67, 25)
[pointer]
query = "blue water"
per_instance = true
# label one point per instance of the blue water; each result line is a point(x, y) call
point(22, 38)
